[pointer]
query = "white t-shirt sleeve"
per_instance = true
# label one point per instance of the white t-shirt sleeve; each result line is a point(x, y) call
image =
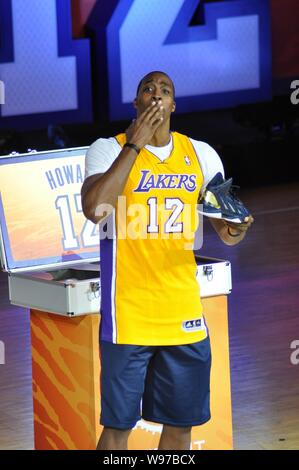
point(100, 156)
point(209, 161)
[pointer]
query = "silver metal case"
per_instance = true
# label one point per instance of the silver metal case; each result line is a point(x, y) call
point(67, 283)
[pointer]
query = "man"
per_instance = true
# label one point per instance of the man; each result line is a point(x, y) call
point(148, 281)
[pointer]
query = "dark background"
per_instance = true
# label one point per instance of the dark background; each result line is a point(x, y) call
point(258, 143)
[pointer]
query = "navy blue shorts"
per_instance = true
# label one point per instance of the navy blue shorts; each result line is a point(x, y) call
point(162, 384)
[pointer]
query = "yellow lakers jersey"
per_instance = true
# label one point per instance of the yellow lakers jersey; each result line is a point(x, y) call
point(149, 291)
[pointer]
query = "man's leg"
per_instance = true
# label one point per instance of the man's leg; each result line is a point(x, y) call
point(123, 370)
point(165, 379)
point(175, 438)
point(114, 439)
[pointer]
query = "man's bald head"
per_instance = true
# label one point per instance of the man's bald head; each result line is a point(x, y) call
point(148, 76)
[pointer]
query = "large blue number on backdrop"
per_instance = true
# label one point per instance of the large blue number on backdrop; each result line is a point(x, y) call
point(47, 78)
point(46, 74)
point(224, 62)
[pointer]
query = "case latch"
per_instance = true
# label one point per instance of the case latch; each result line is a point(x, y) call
point(95, 289)
point(208, 271)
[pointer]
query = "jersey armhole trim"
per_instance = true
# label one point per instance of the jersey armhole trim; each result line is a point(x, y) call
point(203, 176)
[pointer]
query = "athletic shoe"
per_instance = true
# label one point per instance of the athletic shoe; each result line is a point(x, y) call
point(220, 202)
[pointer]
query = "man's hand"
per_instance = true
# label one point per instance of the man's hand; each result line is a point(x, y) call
point(143, 128)
point(230, 232)
point(235, 229)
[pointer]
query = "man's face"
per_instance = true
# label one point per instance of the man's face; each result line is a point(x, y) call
point(156, 87)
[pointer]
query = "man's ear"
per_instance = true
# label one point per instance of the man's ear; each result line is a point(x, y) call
point(173, 107)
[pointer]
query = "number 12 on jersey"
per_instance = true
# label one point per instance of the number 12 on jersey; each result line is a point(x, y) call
point(171, 225)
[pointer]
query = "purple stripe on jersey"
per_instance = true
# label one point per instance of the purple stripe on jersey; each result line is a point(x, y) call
point(106, 262)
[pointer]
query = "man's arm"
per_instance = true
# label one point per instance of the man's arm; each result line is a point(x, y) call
point(104, 188)
point(101, 191)
point(231, 233)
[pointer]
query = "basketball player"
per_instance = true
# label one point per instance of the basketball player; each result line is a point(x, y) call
point(154, 342)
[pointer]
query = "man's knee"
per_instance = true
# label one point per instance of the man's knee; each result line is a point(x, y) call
point(176, 432)
point(175, 438)
point(115, 436)
point(113, 439)
point(117, 433)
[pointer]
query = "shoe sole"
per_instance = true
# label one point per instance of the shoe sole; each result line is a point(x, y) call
point(235, 220)
point(219, 216)
point(212, 215)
